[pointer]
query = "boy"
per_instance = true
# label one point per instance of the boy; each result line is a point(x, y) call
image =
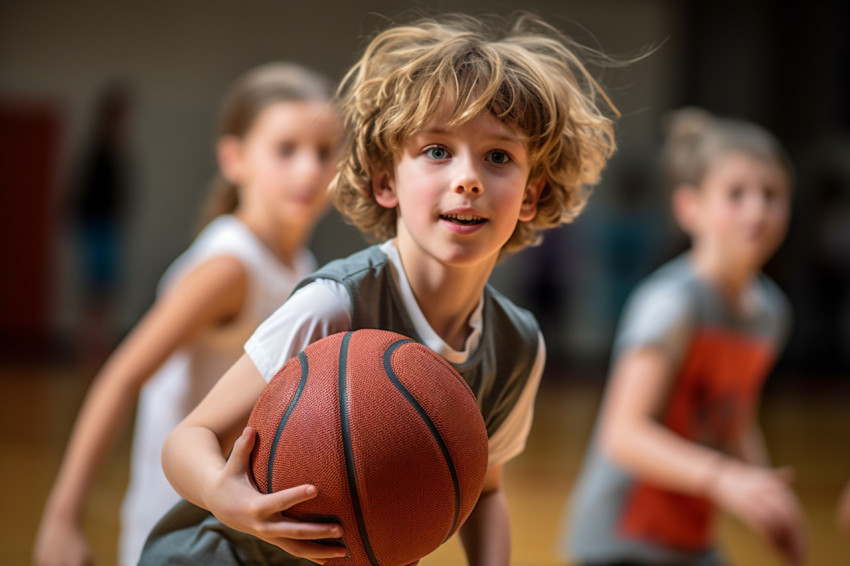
point(678, 437)
point(461, 147)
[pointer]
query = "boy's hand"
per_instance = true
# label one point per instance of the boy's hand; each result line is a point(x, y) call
point(60, 543)
point(235, 502)
point(761, 497)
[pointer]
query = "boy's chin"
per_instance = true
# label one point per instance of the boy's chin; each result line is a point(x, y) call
point(754, 259)
point(466, 259)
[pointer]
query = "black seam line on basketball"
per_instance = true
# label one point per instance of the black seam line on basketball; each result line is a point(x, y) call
point(434, 432)
point(349, 453)
point(302, 357)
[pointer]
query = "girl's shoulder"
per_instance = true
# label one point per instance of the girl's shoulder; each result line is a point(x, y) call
point(219, 237)
point(228, 236)
point(674, 284)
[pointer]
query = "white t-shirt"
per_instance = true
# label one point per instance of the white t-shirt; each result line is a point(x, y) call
point(324, 307)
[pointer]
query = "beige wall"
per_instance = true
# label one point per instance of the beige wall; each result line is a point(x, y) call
point(182, 54)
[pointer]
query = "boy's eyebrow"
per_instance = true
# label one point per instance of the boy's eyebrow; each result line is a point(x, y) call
point(499, 137)
point(434, 131)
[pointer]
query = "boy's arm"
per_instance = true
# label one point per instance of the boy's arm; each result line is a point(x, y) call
point(197, 448)
point(632, 437)
point(194, 461)
point(750, 446)
point(486, 535)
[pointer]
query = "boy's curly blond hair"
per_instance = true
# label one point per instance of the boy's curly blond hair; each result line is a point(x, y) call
point(530, 78)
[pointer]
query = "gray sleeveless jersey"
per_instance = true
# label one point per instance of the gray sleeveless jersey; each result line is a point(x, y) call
point(496, 372)
point(723, 357)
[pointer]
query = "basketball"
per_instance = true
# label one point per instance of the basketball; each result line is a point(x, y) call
point(388, 432)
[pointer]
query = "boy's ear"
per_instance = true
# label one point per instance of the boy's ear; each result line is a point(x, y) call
point(229, 154)
point(528, 208)
point(383, 187)
point(686, 207)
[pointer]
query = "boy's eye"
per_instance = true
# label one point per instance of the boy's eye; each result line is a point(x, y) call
point(324, 153)
point(736, 193)
point(498, 157)
point(286, 149)
point(436, 152)
point(773, 195)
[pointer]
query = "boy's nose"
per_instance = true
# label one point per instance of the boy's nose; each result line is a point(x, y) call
point(758, 207)
point(467, 180)
point(468, 187)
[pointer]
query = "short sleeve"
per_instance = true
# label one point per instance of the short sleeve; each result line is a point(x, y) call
point(785, 315)
point(316, 310)
point(779, 312)
point(659, 314)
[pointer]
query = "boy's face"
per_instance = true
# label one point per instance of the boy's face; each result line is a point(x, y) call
point(741, 208)
point(460, 191)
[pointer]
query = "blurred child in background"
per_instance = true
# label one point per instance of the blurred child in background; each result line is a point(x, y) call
point(678, 436)
point(277, 148)
point(101, 201)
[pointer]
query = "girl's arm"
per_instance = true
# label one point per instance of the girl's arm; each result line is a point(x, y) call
point(486, 535)
point(633, 438)
point(212, 293)
point(194, 460)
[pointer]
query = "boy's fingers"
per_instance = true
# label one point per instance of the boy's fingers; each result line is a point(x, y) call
point(791, 545)
point(785, 473)
point(783, 518)
point(290, 529)
point(286, 498)
point(240, 457)
point(275, 504)
point(318, 553)
point(784, 528)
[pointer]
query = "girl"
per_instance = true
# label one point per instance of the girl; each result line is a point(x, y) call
point(276, 149)
point(678, 435)
point(462, 145)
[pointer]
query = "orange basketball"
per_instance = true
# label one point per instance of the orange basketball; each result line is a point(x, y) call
point(388, 432)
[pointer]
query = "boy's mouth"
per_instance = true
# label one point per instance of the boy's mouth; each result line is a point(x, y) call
point(463, 219)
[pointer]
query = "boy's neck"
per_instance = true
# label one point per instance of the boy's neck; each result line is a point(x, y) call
point(731, 278)
point(447, 295)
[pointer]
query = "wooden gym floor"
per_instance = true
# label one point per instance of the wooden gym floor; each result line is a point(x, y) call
point(807, 429)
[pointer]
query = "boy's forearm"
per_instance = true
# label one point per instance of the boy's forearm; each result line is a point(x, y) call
point(658, 455)
point(750, 447)
point(195, 451)
point(188, 456)
point(632, 435)
point(486, 535)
